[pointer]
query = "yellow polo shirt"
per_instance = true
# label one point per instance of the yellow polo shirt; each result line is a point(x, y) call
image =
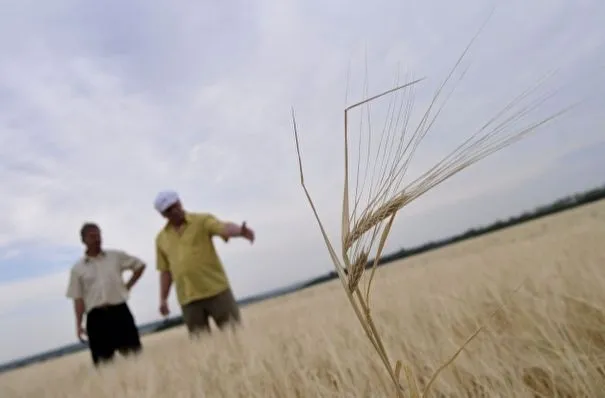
point(196, 269)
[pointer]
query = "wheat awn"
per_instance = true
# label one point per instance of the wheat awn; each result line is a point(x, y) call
point(386, 195)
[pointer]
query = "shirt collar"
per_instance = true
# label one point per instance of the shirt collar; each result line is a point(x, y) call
point(168, 227)
point(88, 258)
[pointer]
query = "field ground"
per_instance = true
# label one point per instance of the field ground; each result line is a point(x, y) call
point(549, 337)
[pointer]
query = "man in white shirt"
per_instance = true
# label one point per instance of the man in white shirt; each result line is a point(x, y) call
point(99, 292)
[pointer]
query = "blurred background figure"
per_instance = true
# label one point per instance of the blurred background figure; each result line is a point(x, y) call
point(186, 255)
point(98, 290)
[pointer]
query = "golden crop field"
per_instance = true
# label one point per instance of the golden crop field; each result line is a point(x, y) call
point(548, 340)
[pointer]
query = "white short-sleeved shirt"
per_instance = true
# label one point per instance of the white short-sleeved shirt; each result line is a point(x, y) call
point(98, 280)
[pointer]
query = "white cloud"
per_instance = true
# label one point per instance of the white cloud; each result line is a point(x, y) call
point(99, 109)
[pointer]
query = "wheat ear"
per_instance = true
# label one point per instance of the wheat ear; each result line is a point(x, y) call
point(362, 229)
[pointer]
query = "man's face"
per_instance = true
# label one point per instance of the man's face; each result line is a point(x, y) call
point(174, 213)
point(92, 237)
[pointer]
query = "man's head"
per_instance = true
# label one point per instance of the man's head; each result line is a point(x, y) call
point(168, 204)
point(90, 233)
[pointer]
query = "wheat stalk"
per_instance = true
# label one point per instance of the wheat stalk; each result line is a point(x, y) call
point(363, 227)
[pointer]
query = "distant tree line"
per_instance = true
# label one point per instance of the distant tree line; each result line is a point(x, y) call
point(562, 204)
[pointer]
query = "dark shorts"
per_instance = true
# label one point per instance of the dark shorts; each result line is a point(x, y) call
point(222, 308)
point(111, 329)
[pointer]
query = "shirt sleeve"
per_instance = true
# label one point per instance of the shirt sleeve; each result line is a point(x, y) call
point(213, 225)
point(128, 262)
point(161, 260)
point(74, 286)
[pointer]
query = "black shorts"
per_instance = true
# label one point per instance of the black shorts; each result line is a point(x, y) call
point(110, 329)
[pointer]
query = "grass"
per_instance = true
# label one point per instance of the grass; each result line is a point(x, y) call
point(547, 340)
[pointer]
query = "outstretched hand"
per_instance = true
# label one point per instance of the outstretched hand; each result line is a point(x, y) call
point(234, 230)
point(247, 233)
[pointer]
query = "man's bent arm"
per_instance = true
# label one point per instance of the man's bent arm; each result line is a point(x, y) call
point(132, 263)
point(136, 274)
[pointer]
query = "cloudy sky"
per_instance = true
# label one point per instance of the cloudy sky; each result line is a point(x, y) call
point(103, 104)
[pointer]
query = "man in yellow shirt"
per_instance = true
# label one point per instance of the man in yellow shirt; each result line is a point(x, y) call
point(185, 255)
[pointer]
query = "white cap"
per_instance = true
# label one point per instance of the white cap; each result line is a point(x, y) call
point(164, 200)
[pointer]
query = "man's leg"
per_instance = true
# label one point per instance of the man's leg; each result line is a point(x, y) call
point(195, 317)
point(99, 336)
point(224, 310)
point(126, 334)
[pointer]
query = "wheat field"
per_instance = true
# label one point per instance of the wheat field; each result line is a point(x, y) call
point(548, 340)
